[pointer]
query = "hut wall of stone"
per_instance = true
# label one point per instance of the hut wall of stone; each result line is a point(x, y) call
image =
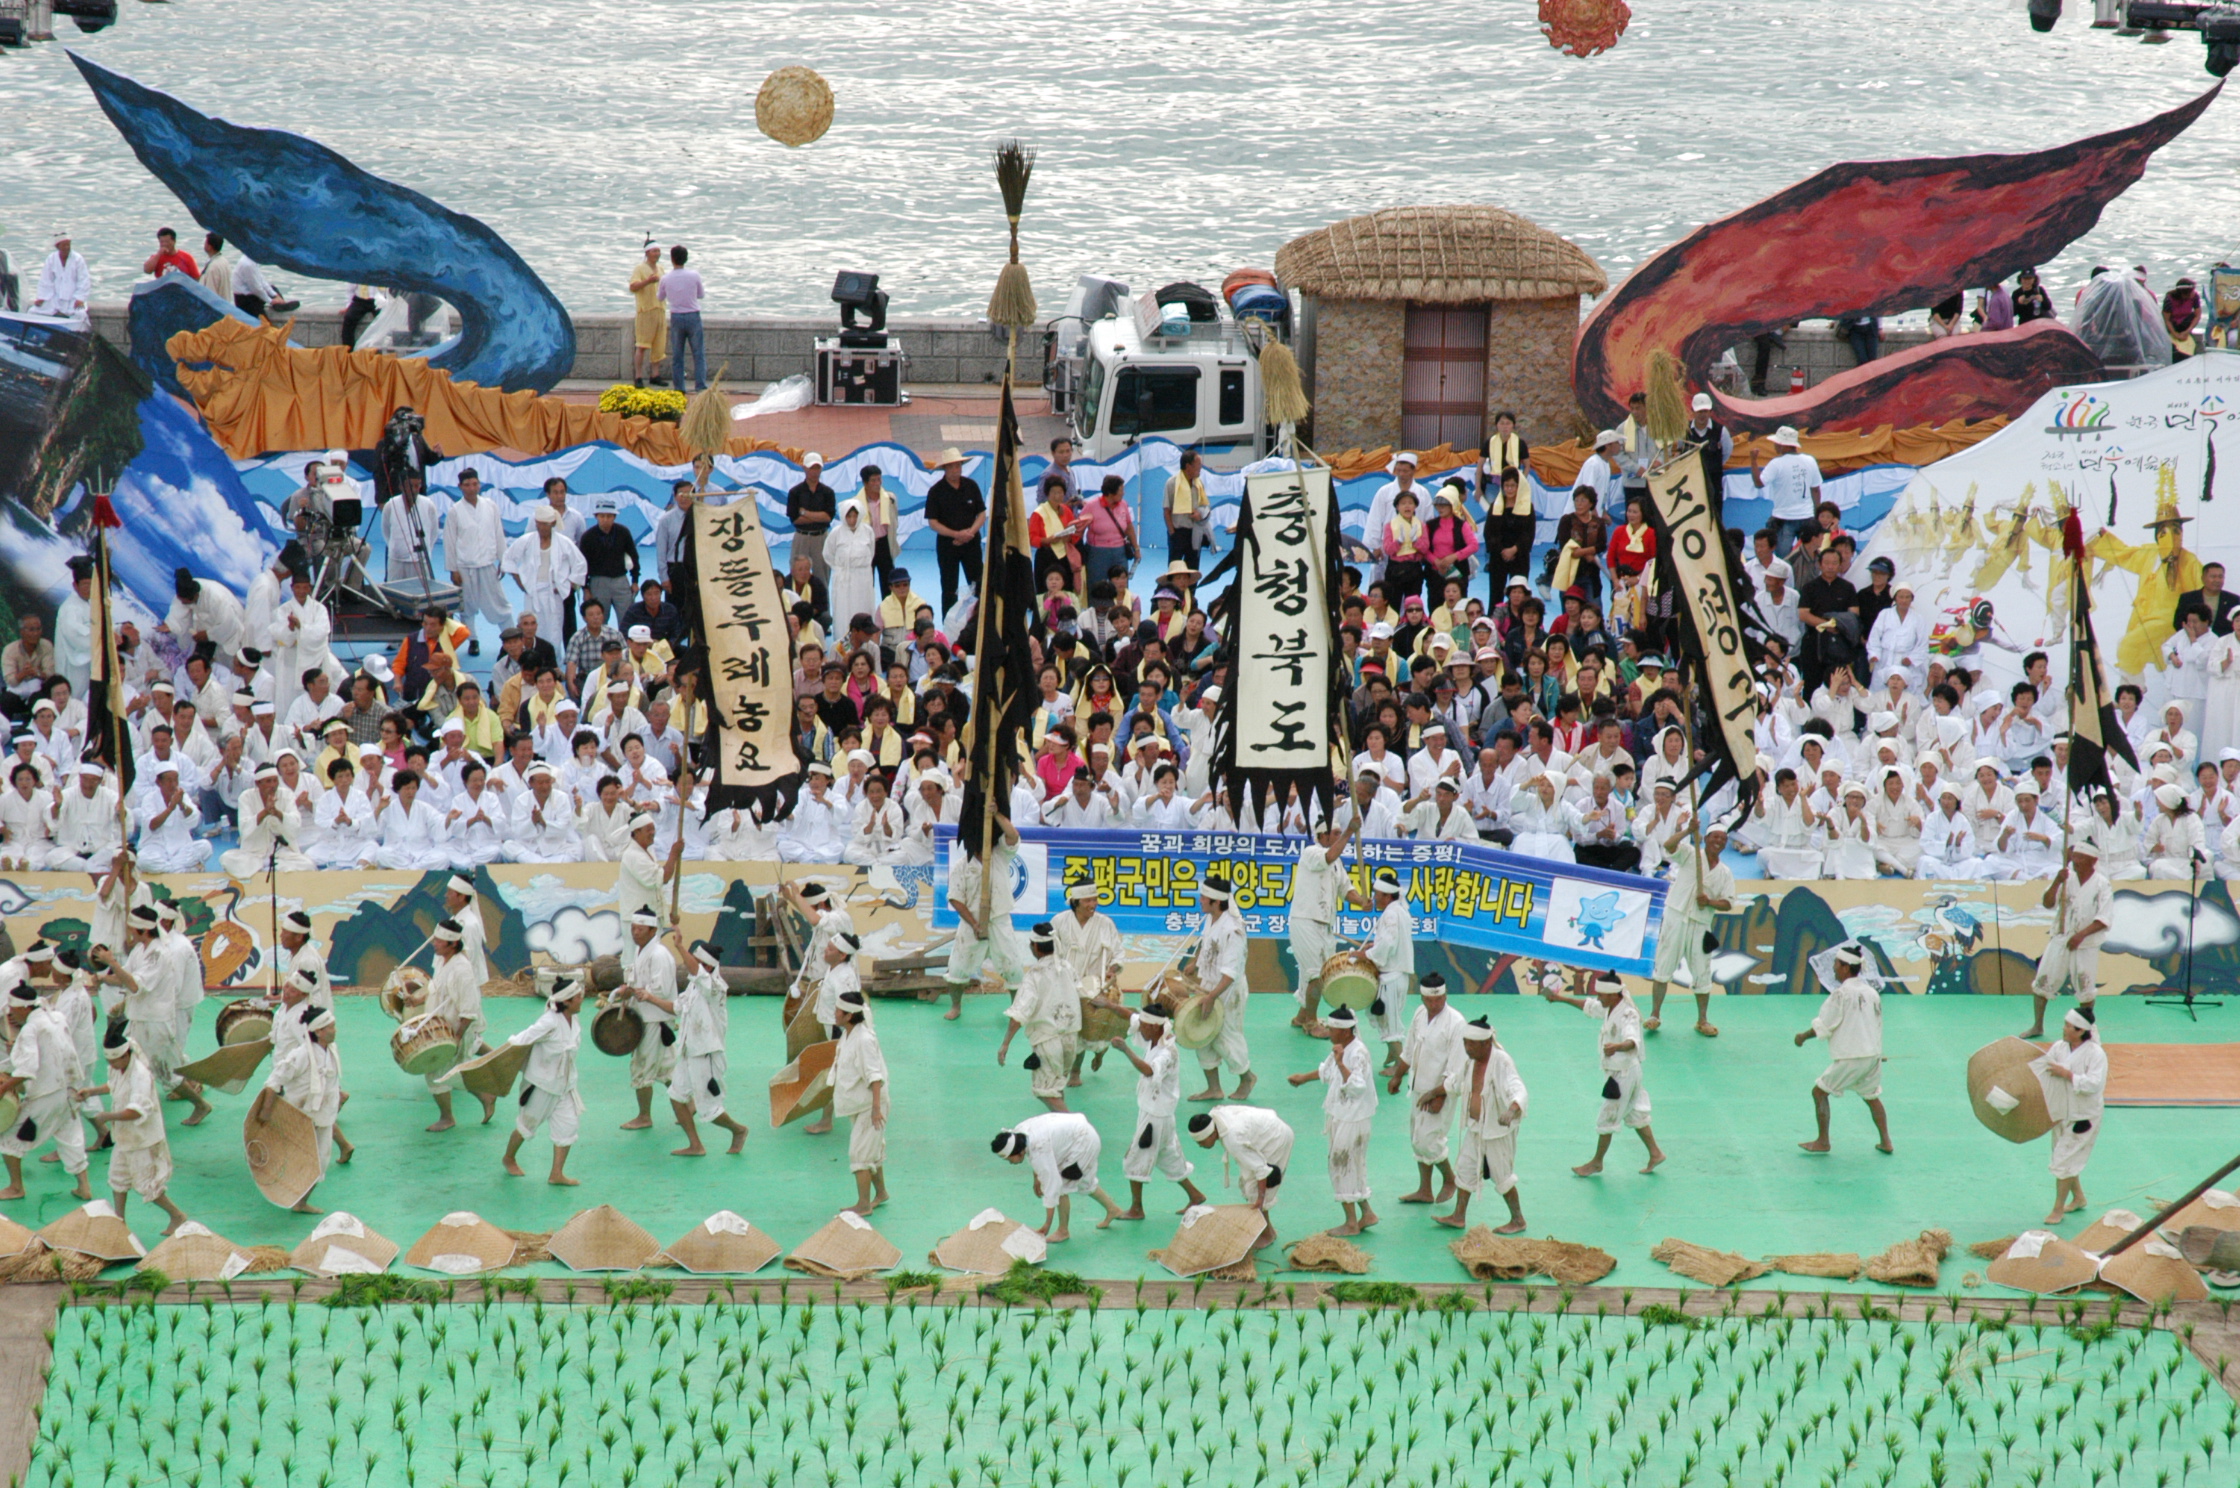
point(1528, 366)
point(1356, 390)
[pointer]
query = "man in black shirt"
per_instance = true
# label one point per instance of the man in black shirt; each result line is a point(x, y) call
point(655, 614)
point(2213, 597)
point(1828, 608)
point(811, 506)
point(956, 511)
point(610, 559)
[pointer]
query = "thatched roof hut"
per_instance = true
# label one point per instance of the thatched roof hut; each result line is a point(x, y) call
point(1422, 322)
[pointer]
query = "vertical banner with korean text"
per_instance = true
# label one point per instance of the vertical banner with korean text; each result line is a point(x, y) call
point(749, 654)
point(1713, 654)
point(1275, 729)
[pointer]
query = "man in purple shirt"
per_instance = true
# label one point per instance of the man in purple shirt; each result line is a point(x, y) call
point(682, 291)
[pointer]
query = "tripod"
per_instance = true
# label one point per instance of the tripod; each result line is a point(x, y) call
point(2165, 995)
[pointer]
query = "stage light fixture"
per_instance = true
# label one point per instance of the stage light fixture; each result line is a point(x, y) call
point(853, 291)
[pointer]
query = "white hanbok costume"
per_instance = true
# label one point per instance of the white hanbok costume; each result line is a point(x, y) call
point(848, 554)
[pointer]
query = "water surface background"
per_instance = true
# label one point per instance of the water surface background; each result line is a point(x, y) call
point(1178, 140)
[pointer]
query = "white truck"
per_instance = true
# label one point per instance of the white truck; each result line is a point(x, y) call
point(1123, 370)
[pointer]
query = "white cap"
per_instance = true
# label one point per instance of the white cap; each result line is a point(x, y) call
point(1405, 457)
point(545, 516)
point(811, 460)
point(1607, 436)
point(2170, 796)
point(454, 725)
point(1786, 436)
point(1380, 631)
point(1701, 403)
point(642, 633)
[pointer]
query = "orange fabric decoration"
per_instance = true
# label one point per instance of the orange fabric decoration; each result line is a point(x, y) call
point(260, 394)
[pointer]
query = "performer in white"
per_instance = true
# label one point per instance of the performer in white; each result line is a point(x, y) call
point(2083, 905)
point(301, 630)
point(1220, 969)
point(1349, 1108)
point(993, 945)
point(1625, 1099)
point(1258, 1142)
point(1850, 833)
point(859, 1092)
point(703, 1011)
point(1431, 1061)
point(1394, 953)
point(2172, 843)
point(548, 1084)
point(1156, 1148)
point(1702, 886)
point(454, 994)
point(42, 1072)
point(549, 569)
point(474, 539)
point(1048, 1007)
point(1089, 944)
point(65, 286)
point(412, 831)
point(1850, 1019)
point(544, 823)
point(2079, 1062)
point(1948, 839)
point(1898, 642)
point(269, 833)
point(307, 1078)
point(849, 548)
point(1786, 827)
point(1490, 1117)
point(1897, 824)
point(650, 980)
point(140, 1157)
point(1063, 1149)
point(1319, 885)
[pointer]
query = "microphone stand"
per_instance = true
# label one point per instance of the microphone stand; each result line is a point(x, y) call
point(2162, 995)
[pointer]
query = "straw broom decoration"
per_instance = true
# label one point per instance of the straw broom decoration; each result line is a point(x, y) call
point(1012, 305)
point(706, 425)
point(1668, 397)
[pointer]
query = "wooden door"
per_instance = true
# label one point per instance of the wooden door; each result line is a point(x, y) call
point(1443, 377)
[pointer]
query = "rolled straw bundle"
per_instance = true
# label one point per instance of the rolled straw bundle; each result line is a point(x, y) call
point(1013, 304)
point(706, 425)
point(1281, 386)
point(1668, 397)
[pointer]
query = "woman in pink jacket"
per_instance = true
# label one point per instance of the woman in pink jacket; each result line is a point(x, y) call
point(1450, 539)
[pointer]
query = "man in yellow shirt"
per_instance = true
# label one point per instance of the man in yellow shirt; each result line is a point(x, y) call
point(899, 610)
point(651, 336)
point(1187, 508)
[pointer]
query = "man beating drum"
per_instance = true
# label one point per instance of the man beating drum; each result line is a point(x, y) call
point(1318, 885)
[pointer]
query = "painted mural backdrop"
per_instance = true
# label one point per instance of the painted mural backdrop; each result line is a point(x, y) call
point(1929, 939)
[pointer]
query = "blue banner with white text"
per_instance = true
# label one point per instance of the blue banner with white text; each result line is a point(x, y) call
point(1462, 893)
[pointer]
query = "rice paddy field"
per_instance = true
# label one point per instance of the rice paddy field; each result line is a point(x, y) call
point(935, 1391)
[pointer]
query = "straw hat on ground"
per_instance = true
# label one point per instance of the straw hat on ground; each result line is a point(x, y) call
point(723, 1242)
point(847, 1249)
point(192, 1253)
point(342, 1245)
point(462, 1244)
point(1211, 1237)
point(2042, 1262)
point(988, 1246)
point(2154, 1271)
point(94, 1230)
point(283, 1153)
point(601, 1239)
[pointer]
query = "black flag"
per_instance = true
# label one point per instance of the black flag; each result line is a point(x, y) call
point(1003, 685)
point(2094, 731)
point(108, 731)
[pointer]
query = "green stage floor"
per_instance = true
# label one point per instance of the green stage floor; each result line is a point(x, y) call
point(930, 1396)
point(1728, 1111)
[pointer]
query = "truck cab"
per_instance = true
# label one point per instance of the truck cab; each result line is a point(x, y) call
point(1142, 373)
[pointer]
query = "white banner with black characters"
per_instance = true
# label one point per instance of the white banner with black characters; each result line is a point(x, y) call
point(750, 653)
point(1276, 724)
